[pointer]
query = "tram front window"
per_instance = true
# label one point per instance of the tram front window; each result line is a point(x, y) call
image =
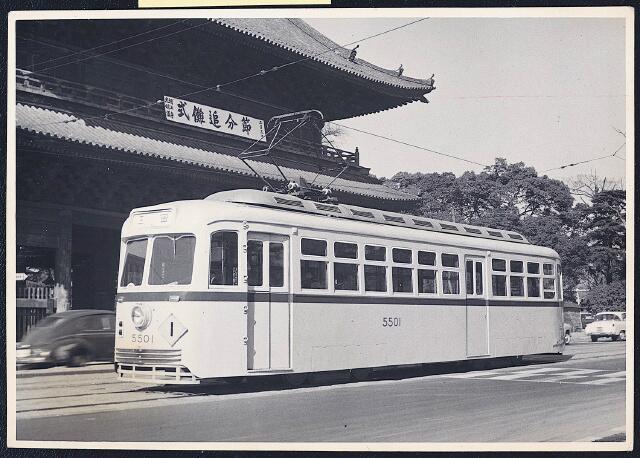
point(172, 260)
point(134, 263)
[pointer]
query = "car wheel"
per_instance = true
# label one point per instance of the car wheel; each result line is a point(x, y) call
point(567, 338)
point(79, 358)
point(594, 338)
point(623, 335)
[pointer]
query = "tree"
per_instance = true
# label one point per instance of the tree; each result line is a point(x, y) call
point(586, 186)
point(330, 132)
point(437, 192)
point(610, 297)
point(604, 226)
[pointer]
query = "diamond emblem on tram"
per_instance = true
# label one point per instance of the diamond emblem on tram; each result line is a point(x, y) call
point(172, 330)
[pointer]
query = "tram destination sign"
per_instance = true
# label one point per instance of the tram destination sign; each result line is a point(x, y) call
point(211, 118)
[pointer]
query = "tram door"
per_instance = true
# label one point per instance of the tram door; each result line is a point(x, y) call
point(268, 313)
point(477, 307)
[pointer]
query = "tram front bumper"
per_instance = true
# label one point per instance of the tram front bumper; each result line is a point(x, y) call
point(174, 375)
point(163, 366)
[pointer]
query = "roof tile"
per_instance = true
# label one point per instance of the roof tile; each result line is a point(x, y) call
point(299, 37)
point(69, 127)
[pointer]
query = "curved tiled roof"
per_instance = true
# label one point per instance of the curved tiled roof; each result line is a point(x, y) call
point(297, 36)
point(140, 141)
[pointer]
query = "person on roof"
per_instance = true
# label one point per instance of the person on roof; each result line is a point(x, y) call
point(354, 52)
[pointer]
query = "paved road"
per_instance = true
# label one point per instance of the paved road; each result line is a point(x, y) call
point(548, 399)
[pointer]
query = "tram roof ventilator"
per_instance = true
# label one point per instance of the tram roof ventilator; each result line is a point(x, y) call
point(293, 203)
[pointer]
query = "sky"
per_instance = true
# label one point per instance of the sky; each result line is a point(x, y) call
point(544, 91)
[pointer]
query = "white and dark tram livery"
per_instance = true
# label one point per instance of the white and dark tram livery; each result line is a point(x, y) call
point(251, 282)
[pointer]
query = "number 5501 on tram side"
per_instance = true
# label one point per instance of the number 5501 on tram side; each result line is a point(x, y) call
point(247, 283)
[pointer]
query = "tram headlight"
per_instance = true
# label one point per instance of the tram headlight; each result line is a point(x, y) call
point(141, 317)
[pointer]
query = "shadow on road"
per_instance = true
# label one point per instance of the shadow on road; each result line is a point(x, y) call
point(238, 385)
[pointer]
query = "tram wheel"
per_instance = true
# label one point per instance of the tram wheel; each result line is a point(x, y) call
point(361, 375)
point(295, 380)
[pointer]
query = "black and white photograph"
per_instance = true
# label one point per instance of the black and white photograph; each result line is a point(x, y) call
point(320, 229)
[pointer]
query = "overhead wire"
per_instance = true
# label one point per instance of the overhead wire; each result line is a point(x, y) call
point(451, 156)
point(122, 48)
point(106, 44)
point(573, 164)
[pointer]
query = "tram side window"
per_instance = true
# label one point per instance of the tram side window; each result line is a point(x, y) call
point(499, 282)
point(375, 278)
point(533, 287)
point(533, 268)
point(449, 260)
point(499, 265)
point(450, 279)
point(549, 287)
point(499, 285)
point(314, 247)
point(402, 277)
point(427, 281)
point(254, 262)
point(426, 258)
point(345, 276)
point(516, 282)
point(547, 269)
point(402, 280)
point(134, 263)
point(450, 282)
point(402, 256)
point(345, 250)
point(517, 286)
point(223, 258)
point(172, 260)
point(375, 253)
point(313, 274)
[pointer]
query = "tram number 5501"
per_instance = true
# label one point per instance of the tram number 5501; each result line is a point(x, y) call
point(388, 322)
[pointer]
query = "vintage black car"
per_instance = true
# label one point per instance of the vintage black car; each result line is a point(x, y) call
point(73, 338)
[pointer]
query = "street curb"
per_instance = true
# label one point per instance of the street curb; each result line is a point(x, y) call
point(25, 374)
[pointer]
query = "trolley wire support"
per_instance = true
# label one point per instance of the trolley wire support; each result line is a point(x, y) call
point(283, 127)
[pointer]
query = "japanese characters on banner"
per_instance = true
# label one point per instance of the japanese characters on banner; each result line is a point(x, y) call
point(228, 122)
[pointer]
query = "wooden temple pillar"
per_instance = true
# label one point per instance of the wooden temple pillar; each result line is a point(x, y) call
point(62, 290)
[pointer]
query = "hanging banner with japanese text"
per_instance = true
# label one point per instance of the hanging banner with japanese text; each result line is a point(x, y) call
point(228, 122)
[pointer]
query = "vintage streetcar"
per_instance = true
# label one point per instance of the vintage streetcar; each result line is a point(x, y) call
point(253, 283)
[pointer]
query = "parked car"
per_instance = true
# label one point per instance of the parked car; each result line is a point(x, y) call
point(567, 333)
point(73, 338)
point(608, 324)
point(586, 318)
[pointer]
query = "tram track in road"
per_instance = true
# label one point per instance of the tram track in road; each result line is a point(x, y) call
point(48, 396)
point(429, 408)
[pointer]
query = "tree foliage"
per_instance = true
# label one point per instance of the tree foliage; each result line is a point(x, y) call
point(590, 238)
point(608, 297)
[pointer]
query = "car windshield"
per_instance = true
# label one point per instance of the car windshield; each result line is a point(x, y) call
point(606, 317)
point(50, 321)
